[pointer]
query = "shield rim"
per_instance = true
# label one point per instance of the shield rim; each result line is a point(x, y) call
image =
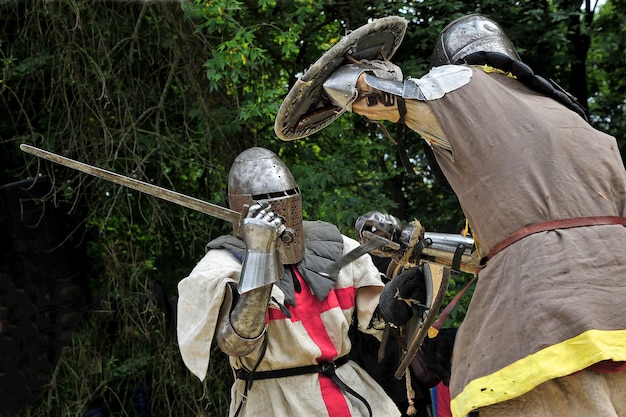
point(294, 106)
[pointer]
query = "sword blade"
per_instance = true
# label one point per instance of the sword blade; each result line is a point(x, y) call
point(373, 243)
point(214, 210)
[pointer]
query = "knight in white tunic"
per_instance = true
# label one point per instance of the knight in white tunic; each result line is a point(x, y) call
point(263, 299)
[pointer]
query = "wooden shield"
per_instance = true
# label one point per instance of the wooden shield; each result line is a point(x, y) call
point(306, 110)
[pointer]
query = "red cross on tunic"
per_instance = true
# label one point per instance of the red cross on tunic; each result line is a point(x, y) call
point(308, 310)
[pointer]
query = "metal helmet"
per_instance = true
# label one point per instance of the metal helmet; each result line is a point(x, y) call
point(469, 34)
point(258, 174)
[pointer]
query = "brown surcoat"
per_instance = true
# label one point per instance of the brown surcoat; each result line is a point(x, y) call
point(552, 303)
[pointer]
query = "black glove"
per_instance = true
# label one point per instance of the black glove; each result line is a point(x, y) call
point(403, 296)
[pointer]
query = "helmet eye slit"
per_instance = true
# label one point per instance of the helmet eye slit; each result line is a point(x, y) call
point(276, 194)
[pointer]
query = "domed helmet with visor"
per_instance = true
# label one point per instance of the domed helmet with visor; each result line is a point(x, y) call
point(257, 174)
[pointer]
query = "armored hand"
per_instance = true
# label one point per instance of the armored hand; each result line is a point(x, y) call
point(388, 227)
point(260, 230)
point(381, 224)
point(374, 89)
point(348, 89)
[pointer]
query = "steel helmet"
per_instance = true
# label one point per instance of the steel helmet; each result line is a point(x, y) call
point(258, 174)
point(469, 34)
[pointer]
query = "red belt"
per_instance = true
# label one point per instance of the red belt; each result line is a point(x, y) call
point(551, 225)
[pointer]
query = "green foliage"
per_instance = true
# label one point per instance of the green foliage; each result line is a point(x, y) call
point(457, 283)
point(250, 47)
point(125, 347)
point(607, 75)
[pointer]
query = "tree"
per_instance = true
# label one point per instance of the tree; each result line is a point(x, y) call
point(607, 73)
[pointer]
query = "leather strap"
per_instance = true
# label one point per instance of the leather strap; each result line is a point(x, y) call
point(552, 225)
point(434, 329)
point(281, 373)
point(401, 109)
point(326, 368)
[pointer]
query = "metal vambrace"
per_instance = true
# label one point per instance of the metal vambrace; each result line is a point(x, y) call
point(341, 86)
point(404, 89)
point(241, 326)
point(242, 315)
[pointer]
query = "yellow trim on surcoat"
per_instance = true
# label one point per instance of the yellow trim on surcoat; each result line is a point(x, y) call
point(488, 69)
point(552, 362)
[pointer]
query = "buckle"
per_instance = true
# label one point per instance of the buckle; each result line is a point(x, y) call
point(328, 368)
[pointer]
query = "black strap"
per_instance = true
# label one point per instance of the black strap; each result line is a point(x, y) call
point(456, 259)
point(435, 167)
point(404, 157)
point(326, 368)
point(281, 373)
point(249, 382)
point(329, 371)
point(401, 109)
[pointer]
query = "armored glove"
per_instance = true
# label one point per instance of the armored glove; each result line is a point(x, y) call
point(341, 85)
point(404, 296)
point(260, 230)
point(381, 224)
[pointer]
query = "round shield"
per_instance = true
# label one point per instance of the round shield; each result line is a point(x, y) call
point(306, 109)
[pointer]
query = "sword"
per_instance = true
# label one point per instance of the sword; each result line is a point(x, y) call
point(374, 242)
point(223, 213)
point(214, 210)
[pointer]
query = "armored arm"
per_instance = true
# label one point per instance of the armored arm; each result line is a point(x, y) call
point(375, 81)
point(410, 243)
point(379, 94)
point(241, 323)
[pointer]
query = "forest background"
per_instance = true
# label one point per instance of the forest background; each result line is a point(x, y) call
point(169, 93)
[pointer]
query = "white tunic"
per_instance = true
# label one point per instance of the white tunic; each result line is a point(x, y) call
point(316, 332)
